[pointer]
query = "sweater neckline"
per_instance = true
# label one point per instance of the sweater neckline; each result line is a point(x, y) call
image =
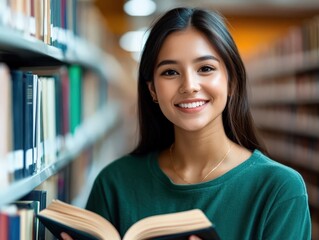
point(164, 179)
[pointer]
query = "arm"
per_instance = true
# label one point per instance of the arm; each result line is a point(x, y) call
point(289, 220)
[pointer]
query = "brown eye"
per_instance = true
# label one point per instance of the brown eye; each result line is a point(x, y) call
point(206, 69)
point(169, 73)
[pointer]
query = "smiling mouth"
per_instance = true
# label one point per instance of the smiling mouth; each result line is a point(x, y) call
point(191, 105)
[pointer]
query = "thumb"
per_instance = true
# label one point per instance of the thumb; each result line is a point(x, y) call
point(65, 236)
point(193, 237)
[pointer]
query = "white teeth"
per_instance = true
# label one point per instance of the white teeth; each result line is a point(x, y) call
point(191, 105)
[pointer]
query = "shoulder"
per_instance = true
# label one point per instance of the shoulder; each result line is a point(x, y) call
point(280, 177)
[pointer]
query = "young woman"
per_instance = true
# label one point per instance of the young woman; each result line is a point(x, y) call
point(198, 147)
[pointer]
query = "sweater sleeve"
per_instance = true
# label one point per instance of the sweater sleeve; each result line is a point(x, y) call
point(289, 220)
point(97, 201)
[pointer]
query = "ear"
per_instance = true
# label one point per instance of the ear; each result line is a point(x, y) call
point(151, 88)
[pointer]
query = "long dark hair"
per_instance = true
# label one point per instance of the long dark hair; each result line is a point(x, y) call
point(156, 132)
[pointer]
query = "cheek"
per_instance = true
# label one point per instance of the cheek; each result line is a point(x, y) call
point(217, 87)
point(165, 90)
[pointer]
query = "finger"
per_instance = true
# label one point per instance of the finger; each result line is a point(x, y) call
point(65, 236)
point(193, 237)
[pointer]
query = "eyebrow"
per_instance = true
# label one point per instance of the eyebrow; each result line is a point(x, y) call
point(199, 59)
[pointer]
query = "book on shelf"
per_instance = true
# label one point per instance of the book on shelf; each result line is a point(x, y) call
point(5, 124)
point(10, 222)
point(49, 120)
point(3, 225)
point(83, 224)
point(28, 82)
point(75, 78)
point(18, 123)
point(30, 224)
point(18, 221)
point(39, 196)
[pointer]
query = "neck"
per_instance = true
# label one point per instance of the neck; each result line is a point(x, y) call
point(206, 148)
point(193, 175)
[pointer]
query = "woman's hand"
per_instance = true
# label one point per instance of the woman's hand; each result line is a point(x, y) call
point(193, 237)
point(65, 236)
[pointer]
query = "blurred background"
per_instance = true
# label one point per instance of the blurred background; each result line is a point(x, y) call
point(253, 23)
point(90, 49)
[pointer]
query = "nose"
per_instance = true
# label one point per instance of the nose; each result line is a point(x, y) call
point(189, 84)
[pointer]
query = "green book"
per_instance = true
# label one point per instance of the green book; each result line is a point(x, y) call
point(75, 76)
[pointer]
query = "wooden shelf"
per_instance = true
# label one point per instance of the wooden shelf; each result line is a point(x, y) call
point(286, 121)
point(293, 153)
point(287, 93)
point(274, 67)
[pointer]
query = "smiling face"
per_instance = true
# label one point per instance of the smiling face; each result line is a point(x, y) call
point(190, 81)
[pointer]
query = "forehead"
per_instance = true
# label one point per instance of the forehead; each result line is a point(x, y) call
point(188, 43)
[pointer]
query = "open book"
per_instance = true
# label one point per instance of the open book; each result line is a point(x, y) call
point(82, 224)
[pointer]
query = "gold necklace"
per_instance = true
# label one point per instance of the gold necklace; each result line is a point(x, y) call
point(203, 179)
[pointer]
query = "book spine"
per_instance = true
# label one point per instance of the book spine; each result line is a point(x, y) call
point(28, 124)
point(4, 227)
point(14, 227)
point(75, 76)
point(18, 120)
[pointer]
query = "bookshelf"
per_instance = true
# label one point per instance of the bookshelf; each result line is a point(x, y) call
point(74, 117)
point(90, 133)
point(284, 93)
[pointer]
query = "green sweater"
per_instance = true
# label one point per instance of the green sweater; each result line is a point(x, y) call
point(259, 199)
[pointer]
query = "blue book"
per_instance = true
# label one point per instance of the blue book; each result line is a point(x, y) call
point(14, 227)
point(29, 164)
point(18, 122)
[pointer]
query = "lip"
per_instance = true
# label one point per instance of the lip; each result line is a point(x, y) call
point(192, 109)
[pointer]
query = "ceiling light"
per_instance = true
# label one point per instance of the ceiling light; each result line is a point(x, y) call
point(133, 41)
point(139, 7)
